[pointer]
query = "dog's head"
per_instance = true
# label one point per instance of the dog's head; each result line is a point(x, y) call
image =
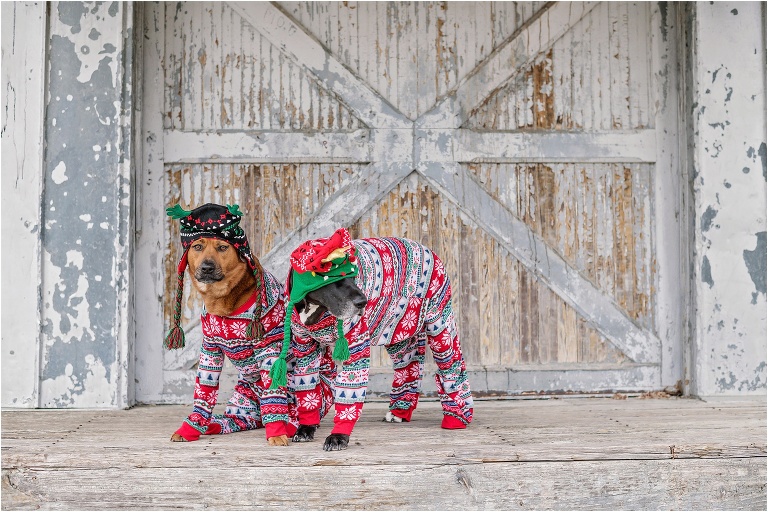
point(216, 253)
point(216, 267)
point(343, 299)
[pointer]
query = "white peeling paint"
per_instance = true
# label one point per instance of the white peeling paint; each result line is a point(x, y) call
point(24, 92)
point(75, 258)
point(730, 198)
point(59, 175)
point(94, 391)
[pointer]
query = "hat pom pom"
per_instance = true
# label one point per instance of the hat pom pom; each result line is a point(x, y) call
point(341, 348)
point(234, 210)
point(174, 339)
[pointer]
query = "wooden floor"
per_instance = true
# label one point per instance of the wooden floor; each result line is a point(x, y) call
point(574, 453)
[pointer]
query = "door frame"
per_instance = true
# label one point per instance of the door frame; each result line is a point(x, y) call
point(423, 140)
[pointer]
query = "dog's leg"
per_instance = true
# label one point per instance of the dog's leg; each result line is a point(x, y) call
point(176, 438)
point(336, 442)
point(408, 363)
point(305, 433)
point(451, 376)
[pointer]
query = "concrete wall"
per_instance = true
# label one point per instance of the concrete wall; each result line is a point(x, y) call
point(729, 198)
point(81, 222)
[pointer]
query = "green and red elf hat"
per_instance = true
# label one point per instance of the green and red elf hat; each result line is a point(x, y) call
point(314, 264)
point(211, 221)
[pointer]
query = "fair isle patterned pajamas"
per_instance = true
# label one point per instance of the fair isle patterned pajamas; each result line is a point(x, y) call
point(409, 307)
point(253, 405)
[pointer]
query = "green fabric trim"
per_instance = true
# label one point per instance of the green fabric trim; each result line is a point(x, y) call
point(234, 210)
point(177, 212)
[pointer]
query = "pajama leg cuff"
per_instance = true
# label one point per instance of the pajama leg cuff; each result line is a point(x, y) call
point(309, 417)
point(275, 428)
point(404, 414)
point(452, 422)
point(213, 429)
point(188, 432)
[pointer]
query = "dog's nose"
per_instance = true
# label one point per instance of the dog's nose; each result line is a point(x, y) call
point(207, 267)
point(360, 301)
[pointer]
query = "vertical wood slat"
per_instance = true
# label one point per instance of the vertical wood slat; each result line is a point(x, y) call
point(221, 74)
point(591, 67)
point(172, 105)
point(639, 53)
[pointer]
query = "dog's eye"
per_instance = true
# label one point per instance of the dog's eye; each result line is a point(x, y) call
point(223, 248)
point(198, 247)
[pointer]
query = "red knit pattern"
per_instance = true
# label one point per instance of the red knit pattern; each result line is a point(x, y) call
point(308, 256)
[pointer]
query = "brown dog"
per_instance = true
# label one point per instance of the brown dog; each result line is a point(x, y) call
point(225, 283)
point(242, 321)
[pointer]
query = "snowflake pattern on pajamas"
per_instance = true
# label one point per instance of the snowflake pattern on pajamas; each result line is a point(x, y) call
point(409, 307)
point(253, 404)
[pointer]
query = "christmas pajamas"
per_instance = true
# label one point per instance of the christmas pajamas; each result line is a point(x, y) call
point(409, 307)
point(252, 405)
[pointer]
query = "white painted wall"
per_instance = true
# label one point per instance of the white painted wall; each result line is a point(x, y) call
point(729, 187)
point(23, 55)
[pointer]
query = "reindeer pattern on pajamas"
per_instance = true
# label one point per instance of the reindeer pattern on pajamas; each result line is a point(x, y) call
point(409, 307)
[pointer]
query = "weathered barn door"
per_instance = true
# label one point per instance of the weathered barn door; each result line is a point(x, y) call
point(531, 145)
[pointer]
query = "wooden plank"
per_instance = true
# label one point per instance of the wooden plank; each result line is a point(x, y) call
point(683, 484)
point(268, 147)
point(513, 56)
point(639, 55)
point(170, 50)
point(471, 146)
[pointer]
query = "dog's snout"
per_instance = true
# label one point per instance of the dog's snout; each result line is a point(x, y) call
point(207, 267)
point(359, 301)
point(208, 272)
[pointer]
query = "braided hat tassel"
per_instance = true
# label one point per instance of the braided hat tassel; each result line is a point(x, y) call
point(175, 337)
point(279, 371)
point(256, 320)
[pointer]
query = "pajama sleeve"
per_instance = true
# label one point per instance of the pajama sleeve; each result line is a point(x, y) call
point(274, 402)
point(306, 379)
point(352, 381)
point(206, 391)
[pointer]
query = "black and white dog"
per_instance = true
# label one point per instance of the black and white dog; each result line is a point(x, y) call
point(401, 299)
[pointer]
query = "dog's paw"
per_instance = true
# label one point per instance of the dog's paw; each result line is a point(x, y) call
point(278, 441)
point(305, 433)
point(391, 418)
point(176, 438)
point(336, 442)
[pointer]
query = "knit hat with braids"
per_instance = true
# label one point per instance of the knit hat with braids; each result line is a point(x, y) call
point(314, 264)
point(212, 221)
